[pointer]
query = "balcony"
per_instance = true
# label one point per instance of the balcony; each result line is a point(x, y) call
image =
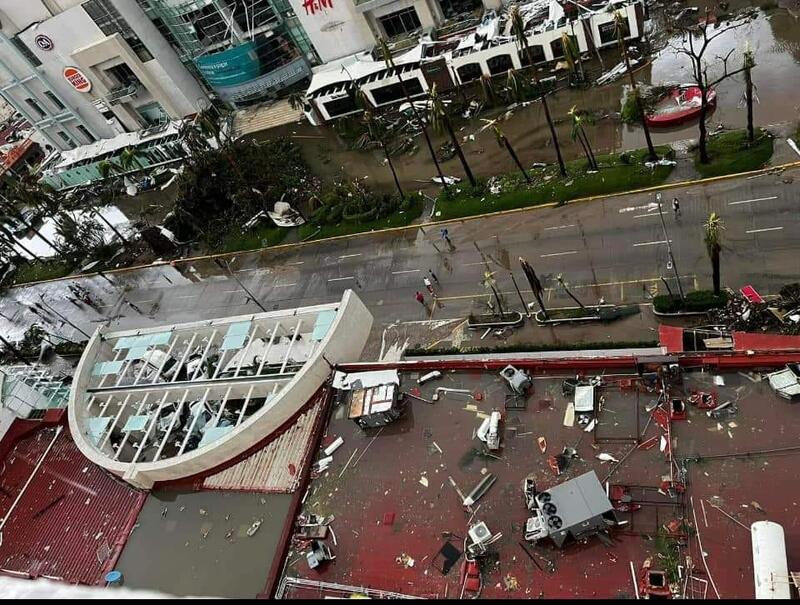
point(123, 94)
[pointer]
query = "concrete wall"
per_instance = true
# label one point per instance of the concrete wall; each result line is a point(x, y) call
point(335, 32)
point(344, 342)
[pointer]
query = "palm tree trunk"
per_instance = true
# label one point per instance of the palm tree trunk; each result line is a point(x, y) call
point(651, 150)
point(418, 118)
point(715, 273)
point(592, 159)
point(585, 150)
point(391, 167)
point(514, 157)
point(749, 98)
point(97, 213)
point(46, 240)
point(12, 240)
point(572, 296)
point(459, 151)
point(561, 167)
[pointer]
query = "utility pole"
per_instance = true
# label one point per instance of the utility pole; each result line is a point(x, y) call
point(522, 300)
point(669, 247)
point(224, 265)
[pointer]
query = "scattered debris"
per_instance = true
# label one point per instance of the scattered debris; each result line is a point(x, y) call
point(254, 527)
point(542, 444)
point(479, 490)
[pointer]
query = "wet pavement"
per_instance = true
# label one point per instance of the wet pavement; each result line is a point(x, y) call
point(774, 37)
point(612, 248)
point(200, 547)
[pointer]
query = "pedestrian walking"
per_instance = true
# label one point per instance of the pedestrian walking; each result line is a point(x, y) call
point(421, 300)
point(433, 276)
point(676, 207)
point(428, 284)
point(446, 237)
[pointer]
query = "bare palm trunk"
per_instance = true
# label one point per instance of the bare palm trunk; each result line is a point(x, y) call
point(715, 272)
point(449, 127)
point(391, 167)
point(749, 99)
point(30, 227)
point(651, 150)
point(572, 296)
point(12, 240)
point(561, 167)
point(514, 157)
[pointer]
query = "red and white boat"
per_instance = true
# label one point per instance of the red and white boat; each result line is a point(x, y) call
point(679, 105)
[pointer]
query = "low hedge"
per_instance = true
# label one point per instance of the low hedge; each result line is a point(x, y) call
point(420, 351)
point(697, 301)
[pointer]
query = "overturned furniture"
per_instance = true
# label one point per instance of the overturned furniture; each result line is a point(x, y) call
point(517, 379)
point(376, 406)
point(786, 382)
point(578, 509)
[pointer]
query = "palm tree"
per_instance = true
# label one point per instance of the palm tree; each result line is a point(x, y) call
point(503, 141)
point(13, 213)
point(536, 285)
point(572, 55)
point(712, 236)
point(387, 58)
point(579, 134)
point(518, 30)
point(129, 159)
point(619, 24)
point(749, 64)
point(560, 280)
point(440, 121)
point(377, 132)
point(488, 91)
point(297, 101)
point(12, 241)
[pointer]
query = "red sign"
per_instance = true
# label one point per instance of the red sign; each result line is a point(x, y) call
point(312, 6)
point(77, 79)
point(749, 292)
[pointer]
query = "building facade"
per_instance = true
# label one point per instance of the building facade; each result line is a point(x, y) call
point(243, 51)
point(83, 70)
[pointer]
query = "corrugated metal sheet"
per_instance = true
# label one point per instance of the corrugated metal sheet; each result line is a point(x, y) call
point(276, 467)
point(71, 511)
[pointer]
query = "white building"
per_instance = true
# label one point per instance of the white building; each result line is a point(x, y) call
point(83, 70)
point(488, 50)
point(164, 403)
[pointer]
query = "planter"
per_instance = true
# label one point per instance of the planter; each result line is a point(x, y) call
point(597, 313)
point(509, 320)
point(679, 313)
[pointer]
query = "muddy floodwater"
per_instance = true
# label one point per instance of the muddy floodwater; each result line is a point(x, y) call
point(200, 546)
point(774, 36)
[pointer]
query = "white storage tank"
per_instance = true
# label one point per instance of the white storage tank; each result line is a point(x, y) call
point(770, 569)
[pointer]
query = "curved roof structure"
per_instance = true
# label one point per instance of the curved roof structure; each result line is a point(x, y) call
point(160, 404)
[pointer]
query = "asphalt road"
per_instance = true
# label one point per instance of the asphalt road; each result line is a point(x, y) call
point(614, 248)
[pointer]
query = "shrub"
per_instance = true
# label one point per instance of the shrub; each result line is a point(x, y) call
point(699, 300)
point(418, 350)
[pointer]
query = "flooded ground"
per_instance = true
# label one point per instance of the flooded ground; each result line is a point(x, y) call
point(186, 552)
point(774, 36)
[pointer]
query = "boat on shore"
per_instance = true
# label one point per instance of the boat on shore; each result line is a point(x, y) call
point(679, 105)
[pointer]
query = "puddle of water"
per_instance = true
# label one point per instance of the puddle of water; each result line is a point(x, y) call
point(40, 248)
point(171, 555)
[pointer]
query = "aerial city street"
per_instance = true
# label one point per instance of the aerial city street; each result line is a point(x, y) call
point(442, 299)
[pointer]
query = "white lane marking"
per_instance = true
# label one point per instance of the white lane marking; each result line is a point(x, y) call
point(230, 291)
point(473, 264)
point(649, 207)
point(559, 253)
point(188, 296)
point(758, 199)
point(645, 215)
point(663, 241)
point(763, 230)
point(153, 299)
point(406, 271)
point(284, 285)
point(559, 227)
point(349, 255)
point(246, 270)
point(299, 262)
point(340, 278)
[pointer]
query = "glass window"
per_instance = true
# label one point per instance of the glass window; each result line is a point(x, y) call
point(66, 138)
point(85, 132)
point(499, 64)
point(400, 22)
point(537, 54)
point(54, 99)
point(469, 72)
point(608, 31)
point(111, 22)
point(557, 47)
point(35, 106)
point(394, 92)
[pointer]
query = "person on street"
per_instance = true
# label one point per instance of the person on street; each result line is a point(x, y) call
point(676, 207)
point(428, 284)
point(421, 300)
point(446, 237)
point(433, 276)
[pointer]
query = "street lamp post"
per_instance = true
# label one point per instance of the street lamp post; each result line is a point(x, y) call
point(669, 247)
point(224, 265)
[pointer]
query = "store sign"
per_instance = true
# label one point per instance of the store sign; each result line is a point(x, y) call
point(43, 42)
point(314, 6)
point(230, 67)
point(77, 79)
